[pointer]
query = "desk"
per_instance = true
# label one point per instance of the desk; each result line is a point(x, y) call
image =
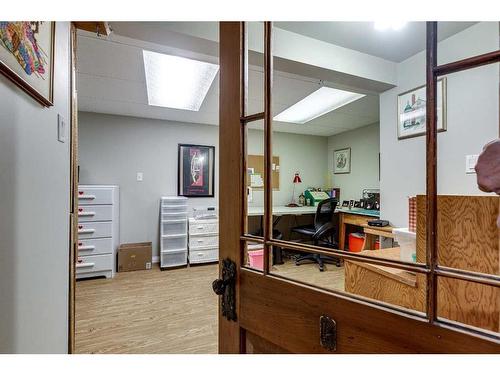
point(360, 218)
point(283, 210)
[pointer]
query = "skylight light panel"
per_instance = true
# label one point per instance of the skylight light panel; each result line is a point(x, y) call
point(177, 82)
point(321, 101)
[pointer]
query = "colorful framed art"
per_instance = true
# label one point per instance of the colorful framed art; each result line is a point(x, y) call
point(27, 57)
point(196, 171)
point(412, 111)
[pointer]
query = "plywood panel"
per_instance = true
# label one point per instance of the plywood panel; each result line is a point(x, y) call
point(257, 163)
point(468, 239)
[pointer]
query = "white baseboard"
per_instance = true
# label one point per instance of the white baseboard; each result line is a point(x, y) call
point(156, 259)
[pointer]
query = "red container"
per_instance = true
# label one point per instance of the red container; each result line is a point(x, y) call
point(377, 245)
point(356, 242)
point(256, 258)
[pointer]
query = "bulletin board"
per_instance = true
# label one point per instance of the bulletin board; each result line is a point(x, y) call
point(257, 163)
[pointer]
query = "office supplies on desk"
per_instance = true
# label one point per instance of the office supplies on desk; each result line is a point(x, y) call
point(316, 196)
point(378, 223)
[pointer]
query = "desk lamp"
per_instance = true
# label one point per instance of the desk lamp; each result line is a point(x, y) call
point(296, 180)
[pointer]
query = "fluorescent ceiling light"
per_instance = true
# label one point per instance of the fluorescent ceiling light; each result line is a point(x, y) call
point(177, 82)
point(321, 101)
point(383, 25)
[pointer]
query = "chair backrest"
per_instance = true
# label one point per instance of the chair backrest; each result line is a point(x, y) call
point(324, 212)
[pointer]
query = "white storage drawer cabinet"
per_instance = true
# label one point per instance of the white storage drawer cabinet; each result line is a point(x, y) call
point(173, 232)
point(98, 230)
point(203, 240)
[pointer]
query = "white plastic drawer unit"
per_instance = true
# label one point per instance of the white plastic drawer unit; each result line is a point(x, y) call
point(95, 213)
point(170, 201)
point(95, 229)
point(203, 241)
point(174, 226)
point(95, 246)
point(174, 242)
point(203, 226)
point(204, 256)
point(89, 195)
point(94, 263)
point(173, 258)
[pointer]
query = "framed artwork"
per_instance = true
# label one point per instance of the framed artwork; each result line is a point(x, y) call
point(342, 161)
point(412, 111)
point(196, 171)
point(27, 57)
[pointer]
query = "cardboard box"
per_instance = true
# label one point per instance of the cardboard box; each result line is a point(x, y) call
point(135, 256)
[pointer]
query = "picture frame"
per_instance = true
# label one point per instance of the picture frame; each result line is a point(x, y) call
point(196, 171)
point(33, 69)
point(342, 161)
point(411, 120)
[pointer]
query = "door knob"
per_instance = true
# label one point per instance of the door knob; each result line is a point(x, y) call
point(225, 287)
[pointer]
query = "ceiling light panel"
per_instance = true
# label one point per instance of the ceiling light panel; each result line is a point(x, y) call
point(320, 102)
point(177, 82)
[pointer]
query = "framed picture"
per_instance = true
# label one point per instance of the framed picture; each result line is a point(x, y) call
point(412, 111)
point(342, 161)
point(27, 57)
point(196, 171)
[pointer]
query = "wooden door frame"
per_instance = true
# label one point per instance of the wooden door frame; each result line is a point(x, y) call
point(413, 332)
point(73, 240)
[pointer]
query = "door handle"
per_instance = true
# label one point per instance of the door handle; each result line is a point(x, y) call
point(328, 333)
point(226, 288)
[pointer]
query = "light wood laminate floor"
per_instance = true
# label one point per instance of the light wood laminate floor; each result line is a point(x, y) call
point(173, 311)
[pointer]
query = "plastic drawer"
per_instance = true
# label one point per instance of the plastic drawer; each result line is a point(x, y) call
point(94, 263)
point(174, 226)
point(203, 256)
point(95, 195)
point(173, 208)
point(172, 201)
point(95, 246)
point(203, 241)
point(173, 215)
point(173, 258)
point(174, 242)
point(95, 229)
point(200, 227)
point(95, 213)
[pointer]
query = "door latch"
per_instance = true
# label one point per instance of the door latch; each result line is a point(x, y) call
point(328, 333)
point(225, 288)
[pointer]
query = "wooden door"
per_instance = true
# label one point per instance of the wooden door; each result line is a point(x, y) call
point(276, 314)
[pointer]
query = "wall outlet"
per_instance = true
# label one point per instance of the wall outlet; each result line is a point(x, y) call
point(139, 176)
point(61, 129)
point(470, 163)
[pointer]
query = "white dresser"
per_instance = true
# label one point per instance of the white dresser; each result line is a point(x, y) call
point(173, 231)
point(98, 230)
point(203, 240)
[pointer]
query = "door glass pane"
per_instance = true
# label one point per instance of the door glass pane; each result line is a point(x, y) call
point(255, 130)
point(461, 40)
point(338, 159)
point(378, 284)
point(253, 255)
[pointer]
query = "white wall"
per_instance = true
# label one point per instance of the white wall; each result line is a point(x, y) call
point(472, 121)
point(112, 149)
point(364, 143)
point(34, 215)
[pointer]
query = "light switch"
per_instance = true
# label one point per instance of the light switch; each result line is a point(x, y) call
point(139, 176)
point(61, 129)
point(470, 163)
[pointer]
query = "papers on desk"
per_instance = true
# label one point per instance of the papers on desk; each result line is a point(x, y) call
point(256, 180)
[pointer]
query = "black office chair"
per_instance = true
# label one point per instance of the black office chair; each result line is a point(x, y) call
point(322, 233)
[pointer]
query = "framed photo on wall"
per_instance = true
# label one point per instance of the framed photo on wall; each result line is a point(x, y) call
point(342, 161)
point(196, 171)
point(412, 111)
point(27, 57)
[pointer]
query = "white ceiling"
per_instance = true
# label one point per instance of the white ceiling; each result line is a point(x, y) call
point(111, 80)
point(390, 45)
point(111, 74)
